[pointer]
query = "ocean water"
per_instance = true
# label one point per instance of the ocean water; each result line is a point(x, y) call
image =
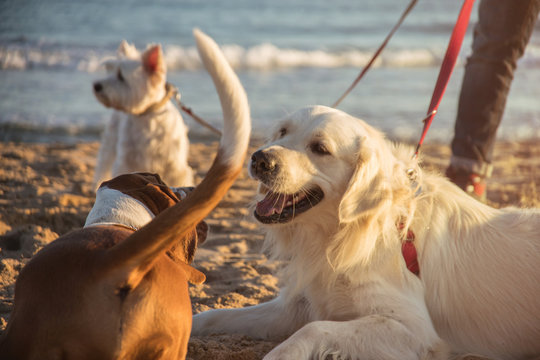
point(287, 53)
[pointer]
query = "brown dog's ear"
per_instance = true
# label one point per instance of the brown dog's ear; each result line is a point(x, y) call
point(152, 60)
point(367, 190)
point(194, 276)
point(184, 250)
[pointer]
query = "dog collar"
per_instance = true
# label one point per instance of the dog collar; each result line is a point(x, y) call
point(111, 224)
point(170, 91)
point(409, 254)
point(408, 250)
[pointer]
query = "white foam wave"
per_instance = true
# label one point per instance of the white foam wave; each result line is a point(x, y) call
point(267, 56)
point(263, 57)
point(260, 57)
point(21, 59)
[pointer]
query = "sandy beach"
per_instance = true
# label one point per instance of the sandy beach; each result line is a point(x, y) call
point(45, 191)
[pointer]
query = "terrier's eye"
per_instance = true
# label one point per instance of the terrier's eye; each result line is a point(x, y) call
point(282, 132)
point(119, 75)
point(319, 148)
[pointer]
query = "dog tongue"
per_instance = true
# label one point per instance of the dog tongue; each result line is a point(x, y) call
point(271, 204)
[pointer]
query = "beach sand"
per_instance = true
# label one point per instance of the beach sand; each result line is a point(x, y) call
point(45, 191)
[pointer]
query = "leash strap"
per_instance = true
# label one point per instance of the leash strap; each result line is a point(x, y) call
point(377, 53)
point(198, 118)
point(176, 96)
point(447, 67)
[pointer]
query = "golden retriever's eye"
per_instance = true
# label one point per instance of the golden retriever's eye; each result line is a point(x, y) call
point(319, 148)
point(119, 75)
point(282, 132)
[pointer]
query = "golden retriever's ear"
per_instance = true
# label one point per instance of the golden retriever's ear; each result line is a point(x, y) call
point(366, 192)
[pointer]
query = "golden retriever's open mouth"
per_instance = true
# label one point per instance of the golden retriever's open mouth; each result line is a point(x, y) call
point(281, 208)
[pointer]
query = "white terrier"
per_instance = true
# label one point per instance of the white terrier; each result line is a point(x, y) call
point(147, 132)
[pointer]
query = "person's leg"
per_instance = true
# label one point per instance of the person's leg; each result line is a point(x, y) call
point(500, 37)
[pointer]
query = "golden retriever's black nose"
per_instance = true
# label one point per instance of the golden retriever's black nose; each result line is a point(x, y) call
point(262, 164)
point(98, 87)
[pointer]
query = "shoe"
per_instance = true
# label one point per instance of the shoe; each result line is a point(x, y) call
point(473, 184)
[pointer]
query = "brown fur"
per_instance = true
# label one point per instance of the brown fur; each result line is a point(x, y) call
point(108, 292)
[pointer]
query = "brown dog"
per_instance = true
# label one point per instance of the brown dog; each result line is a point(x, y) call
point(109, 292)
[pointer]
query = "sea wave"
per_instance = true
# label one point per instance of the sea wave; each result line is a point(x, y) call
point(263, 57)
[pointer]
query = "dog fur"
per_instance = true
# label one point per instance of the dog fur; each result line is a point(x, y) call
point(106, 292)
point(346, 290)
point(143, 134)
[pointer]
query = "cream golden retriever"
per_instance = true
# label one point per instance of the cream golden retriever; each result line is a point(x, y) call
point(338, 200)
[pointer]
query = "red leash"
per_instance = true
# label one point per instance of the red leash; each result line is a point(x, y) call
point(407, 248)
point(447, 67)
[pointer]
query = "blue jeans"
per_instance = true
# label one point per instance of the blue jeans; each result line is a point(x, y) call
point(500, 37)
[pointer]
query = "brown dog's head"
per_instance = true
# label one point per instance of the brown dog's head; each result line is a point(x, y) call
point(150, 192)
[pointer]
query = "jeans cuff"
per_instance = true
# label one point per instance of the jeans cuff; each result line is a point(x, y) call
point(471, 166)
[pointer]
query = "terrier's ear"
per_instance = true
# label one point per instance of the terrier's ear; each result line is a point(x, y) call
point(127, 50)
point(153, 59)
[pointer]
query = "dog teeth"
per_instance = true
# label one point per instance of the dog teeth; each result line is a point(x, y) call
point(274, 203)
point(299, 198)
point(295, 199)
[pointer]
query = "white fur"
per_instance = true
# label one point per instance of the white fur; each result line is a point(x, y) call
point(136, 140)
point(114, 207)
point(346, 289)
point(231, 95)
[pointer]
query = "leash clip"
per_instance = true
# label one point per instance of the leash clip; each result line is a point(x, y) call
point(424, 120)
point(176, 93)
point(411, 174)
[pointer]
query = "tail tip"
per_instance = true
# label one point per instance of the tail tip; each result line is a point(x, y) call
point(199, 34)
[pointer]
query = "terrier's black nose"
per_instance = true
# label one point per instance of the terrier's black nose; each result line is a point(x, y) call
point(262, 163)
point(98, 87)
